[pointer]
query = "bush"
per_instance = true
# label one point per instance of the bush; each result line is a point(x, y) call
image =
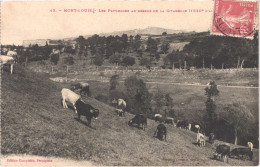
point(116, 94)
point(145, 61)
point(115, 59)
point(98, 60)
point(69, 60)
point(55, 58)
point(128, 61)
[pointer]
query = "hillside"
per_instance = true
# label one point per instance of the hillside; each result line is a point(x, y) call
point(34, 122)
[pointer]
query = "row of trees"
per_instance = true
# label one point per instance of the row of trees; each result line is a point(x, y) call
point(216, 52)
point(203, 52)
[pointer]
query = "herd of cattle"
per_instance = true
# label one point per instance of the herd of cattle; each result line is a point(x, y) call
point(84, 109)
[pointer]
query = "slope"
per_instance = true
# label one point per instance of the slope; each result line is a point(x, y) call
point(34, 122)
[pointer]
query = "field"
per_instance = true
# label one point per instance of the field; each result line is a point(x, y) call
point(34, 123)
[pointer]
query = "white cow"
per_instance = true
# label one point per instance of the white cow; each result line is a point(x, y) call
point(189, 127)
point(7, 60)
point(69, 96)
point(250, 145)
point(121, 103)
point(12, 54)
point(201, 139)
point(197, 127)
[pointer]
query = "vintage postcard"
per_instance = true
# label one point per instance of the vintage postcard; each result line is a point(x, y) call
point(129, 83)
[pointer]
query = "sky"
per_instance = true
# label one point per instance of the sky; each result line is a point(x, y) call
point(27, 20)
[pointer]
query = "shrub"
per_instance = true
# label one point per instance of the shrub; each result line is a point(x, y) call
point(128, 61)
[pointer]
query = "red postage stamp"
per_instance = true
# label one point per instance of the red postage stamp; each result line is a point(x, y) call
point(234, 18)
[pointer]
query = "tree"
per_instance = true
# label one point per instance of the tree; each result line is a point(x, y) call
point(210, 92)
point(165, 47)
point(128, 61)
point(81, 42)
point(145, 62)
point(115, 59)
point(98, 60)
point(54, 60)
point(114, 82)
point(68, 61)
point(238, 116)
point(164, 33)
point(137, 42)
point(152, 45)
point(138, 97)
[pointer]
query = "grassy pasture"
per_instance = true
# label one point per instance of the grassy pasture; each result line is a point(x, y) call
point(34, 122)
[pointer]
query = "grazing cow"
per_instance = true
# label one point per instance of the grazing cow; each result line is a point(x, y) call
point(201, 139)
point(13, 54)
point(183, 124)
point(82, 86)
point(197, 127)
point(160, 131)
point(86, 110)
point(120, 112)
point(121, 103)
point(169, 120)
point(7, 60)
point(139, 119)
point(157, 117)
point(211, 138)
point(242, 153)
point(250, 145)
point(222, 151)
point(69, 96)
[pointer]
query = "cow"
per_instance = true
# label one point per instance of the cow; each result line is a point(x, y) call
point(13, 54)
point(86, 110)
point(7, 60)
point(211, 138)
point(160, 132)
point(183, 124)
point(82, 86)
point(121, 103)
point(169, 120)
point(242, 153)
point(189, 127)
point(197, 127)
point(69, 96)
point(222, 152)
point(201, 139)
point(138, 119)
point(250, 145)
point(157, 117)
point(120, 112)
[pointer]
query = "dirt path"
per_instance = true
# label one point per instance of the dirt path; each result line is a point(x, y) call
point(32, 160)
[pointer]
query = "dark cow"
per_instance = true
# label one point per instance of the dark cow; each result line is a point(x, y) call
point(86, 110)
point(242, 153)
point(82, 86)
point(222, 151)
point(211, 138)
point(160, 131)
point(139, 119)
point(183, 124)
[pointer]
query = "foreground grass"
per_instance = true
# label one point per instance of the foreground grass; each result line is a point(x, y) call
point(34, 122)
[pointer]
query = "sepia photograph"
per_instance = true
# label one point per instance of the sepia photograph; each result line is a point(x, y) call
point(129, 83)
